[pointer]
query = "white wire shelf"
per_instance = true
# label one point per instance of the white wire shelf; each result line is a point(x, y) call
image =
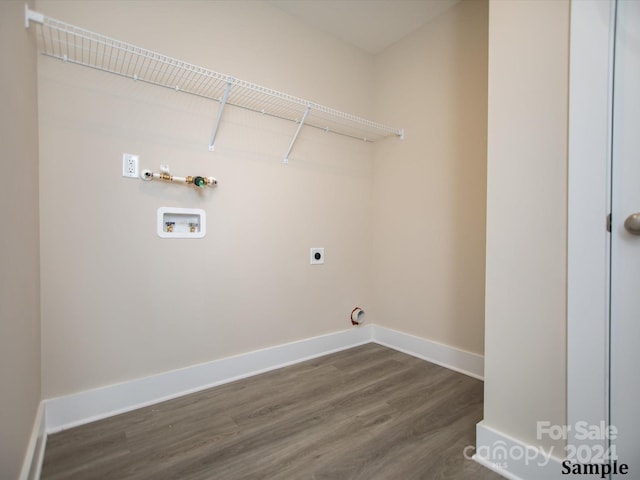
point(82, 47)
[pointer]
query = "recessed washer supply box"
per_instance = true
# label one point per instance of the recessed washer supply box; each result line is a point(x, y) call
point(181, 222)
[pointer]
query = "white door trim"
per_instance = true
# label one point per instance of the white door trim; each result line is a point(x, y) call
point(590, 87)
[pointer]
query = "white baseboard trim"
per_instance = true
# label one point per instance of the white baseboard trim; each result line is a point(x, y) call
point(87, 406)
point(90, 405)
point(461, 361)
point(514, 459)
point(32, 463)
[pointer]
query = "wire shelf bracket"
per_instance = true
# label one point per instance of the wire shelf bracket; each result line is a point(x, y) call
point(295, 136)
point(82, 47)
point(223, 103)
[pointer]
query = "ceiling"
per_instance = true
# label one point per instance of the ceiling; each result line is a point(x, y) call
point(371, 25)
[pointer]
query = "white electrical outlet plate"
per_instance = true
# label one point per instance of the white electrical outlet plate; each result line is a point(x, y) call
point(130, 165)
point(317, 256)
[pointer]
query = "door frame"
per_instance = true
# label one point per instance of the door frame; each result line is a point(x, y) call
point(589, 202)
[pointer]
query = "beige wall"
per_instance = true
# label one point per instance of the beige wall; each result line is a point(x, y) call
point(19, 242)
point(119, 302)
point(429, 190)
point(525, 365)
point(406, 228)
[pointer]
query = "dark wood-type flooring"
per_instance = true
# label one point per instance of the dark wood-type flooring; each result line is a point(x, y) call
point(368, 413)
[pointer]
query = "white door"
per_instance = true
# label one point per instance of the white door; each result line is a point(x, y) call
point(625, 245)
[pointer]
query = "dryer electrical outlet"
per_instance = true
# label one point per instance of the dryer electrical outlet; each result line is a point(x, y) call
point(317, 256)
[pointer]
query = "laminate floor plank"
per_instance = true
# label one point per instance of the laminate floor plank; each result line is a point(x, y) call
point(369, 413)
